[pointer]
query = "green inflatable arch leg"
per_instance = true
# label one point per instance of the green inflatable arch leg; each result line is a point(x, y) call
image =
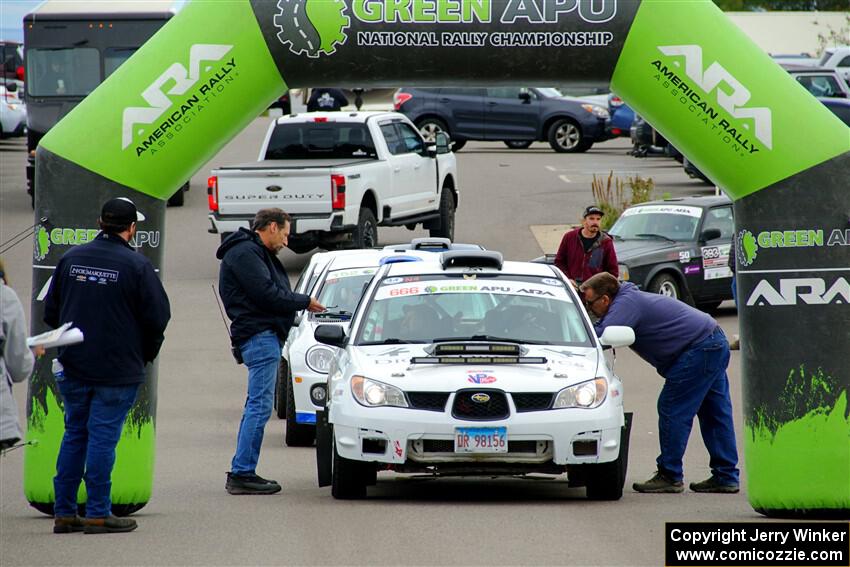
point(696, 77)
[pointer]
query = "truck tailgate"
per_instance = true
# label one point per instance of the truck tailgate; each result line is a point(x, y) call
point(297, 192)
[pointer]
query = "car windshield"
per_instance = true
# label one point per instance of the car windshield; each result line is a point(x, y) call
point(342, 290)
point(524, 309)
point(311, 140)
point(664, 222)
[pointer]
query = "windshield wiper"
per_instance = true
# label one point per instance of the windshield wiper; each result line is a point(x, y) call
point(324, 314)
point(615, 236)
point(487, 338)
point(654, 235)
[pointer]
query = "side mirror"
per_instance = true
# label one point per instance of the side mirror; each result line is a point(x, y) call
point(524, 95)
point(443, 143)
point(332, 335)
point(709, 234)
point(617, 336)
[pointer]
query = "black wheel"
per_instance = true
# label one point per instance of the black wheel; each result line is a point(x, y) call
point(709, 306)
point(224, 235)
point(300, 247)
point(178, 198)
point(458, 145)
point(349, 478)
point(281, 388)
point(297, 434)
point(605, 481)
point(366, 233)
point(517, 144)
point(665, 284)
point(565, 136)
point(447, 216)
point(430, 127)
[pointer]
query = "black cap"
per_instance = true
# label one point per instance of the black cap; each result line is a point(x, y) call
point(120, 210)
point(593, 210)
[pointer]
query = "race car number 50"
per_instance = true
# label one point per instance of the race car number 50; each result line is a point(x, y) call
point(481, 440)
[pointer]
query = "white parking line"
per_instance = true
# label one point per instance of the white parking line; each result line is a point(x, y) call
point(564, 178)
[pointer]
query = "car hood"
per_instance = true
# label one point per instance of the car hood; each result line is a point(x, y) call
point(565, 366)
point(628, 250)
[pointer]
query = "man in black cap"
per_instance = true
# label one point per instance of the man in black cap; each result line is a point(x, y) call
point(113, 295)
point(587, 250)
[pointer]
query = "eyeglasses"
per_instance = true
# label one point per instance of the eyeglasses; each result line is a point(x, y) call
point(592, 301)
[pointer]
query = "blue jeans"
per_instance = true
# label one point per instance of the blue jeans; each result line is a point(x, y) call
point(697, 385)
point(94, 418)
point(261, 354)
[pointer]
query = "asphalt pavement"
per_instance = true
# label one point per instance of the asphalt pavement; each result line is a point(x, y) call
point(510, 201)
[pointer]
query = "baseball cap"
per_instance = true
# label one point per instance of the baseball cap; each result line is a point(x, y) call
point(120, 210)
point(593, 210)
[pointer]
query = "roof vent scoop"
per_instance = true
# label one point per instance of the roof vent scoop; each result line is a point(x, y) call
point(471, 259)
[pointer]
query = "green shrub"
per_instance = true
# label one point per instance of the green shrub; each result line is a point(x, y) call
point(609, 195)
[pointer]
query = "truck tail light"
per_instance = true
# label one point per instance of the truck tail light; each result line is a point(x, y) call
point(337, 192)
point(19, 73)
point(320, 119)
point(212, 193)
point(399, 98)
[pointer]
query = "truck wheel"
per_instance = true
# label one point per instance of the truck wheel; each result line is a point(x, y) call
point(349, 478)
point(447, 216)
point(565, 136)
point(366, 233)
point(458, 145)
point(297, 434)
point(300, 247)
point(281, 388)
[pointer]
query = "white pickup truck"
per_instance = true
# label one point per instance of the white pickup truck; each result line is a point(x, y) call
point(340, 175)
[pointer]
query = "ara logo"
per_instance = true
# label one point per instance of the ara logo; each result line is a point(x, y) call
point(733, 97)
point(312, 27)
point(811, 291)
point(181, 80)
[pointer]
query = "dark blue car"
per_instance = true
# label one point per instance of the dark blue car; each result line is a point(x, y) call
point(513, 115)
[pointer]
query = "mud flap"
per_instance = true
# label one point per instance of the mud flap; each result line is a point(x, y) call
point(324, 448)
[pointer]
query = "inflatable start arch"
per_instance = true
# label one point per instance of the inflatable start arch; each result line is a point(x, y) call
point(781, 155)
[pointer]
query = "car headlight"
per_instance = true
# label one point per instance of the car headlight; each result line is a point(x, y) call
point(372, 393)
point(624, 272)
point(319, 358)
point(588, 394)
point(597, 111)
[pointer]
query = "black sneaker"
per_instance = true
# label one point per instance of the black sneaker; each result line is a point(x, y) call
point(109, 525)
point(658, 484)
point(714, 485)
point(250, 484)
point(68, 524)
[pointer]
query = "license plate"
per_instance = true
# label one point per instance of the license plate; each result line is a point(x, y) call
point(481, 440)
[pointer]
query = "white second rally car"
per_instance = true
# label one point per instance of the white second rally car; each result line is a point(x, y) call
point(338, 279)
point(469, 365)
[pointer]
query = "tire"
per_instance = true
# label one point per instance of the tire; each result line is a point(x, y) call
point(517, 144)
point(224, 235)
point(281, 388)
point(297, 434)
point(349, 478)
point(447, 217)
point(605, 481)
point(458, 145)
point(366, 233)
point(665, 284)
point(709, 306)
point(430, 127)
point(300, 247)
point(565, 136)
point(178, 198)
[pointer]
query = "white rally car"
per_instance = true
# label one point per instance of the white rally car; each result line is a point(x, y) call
point(472, 366)
point(337, 279)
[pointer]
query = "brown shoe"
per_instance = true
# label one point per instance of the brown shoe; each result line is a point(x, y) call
point(109, 525)
point(660, 483)
point(68, 524)
point(735, 343)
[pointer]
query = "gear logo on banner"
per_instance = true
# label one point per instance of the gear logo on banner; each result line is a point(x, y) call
point(312, 27)
point(746, 248)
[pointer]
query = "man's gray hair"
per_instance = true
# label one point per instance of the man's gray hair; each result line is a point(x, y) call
point(265, 217)
point(602, 283)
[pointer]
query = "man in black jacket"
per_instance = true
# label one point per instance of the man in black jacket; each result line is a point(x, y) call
point(256, 294)
point(113, 295)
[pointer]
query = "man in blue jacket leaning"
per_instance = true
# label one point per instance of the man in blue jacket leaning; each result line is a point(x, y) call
point(255, 290)
point(113, 295)
point(690, 351)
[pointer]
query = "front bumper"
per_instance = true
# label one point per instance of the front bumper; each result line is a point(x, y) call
point(402, 435)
